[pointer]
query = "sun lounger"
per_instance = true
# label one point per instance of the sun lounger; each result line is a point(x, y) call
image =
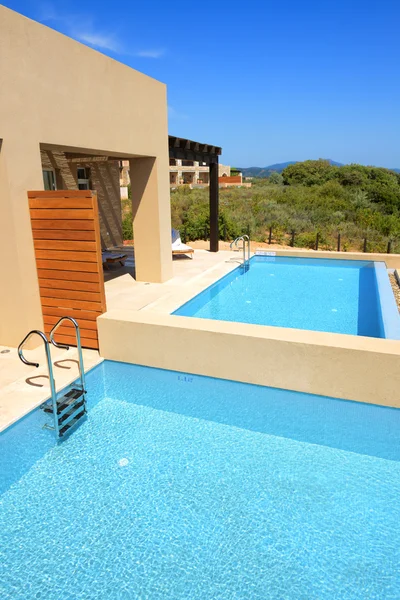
point(178, 247)
point(113, 257)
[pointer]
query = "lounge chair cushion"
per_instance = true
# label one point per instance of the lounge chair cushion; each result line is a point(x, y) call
point(177, 245)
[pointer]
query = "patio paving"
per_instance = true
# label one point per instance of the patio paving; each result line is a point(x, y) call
point(24, 388)
point(191, 276)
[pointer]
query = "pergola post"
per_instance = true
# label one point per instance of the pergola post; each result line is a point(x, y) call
point(214, 191)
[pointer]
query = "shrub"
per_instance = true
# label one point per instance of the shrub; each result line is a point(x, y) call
point(316, 197)
point(127, 226)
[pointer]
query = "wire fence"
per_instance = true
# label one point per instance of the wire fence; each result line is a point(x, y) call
point(312, 240)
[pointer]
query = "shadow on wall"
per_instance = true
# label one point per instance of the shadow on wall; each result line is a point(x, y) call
point(65, 172)
point(105, 180)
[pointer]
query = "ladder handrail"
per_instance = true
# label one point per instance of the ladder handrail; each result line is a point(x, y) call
point(49, 367)
point(245, 239)
point(78, 343)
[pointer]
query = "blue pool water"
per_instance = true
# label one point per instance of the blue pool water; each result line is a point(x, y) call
point(340, 296)
point(181, 486)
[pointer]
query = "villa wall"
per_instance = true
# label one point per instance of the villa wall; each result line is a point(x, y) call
point(60, 95)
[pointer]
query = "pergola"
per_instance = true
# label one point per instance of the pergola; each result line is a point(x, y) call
point(180, 148)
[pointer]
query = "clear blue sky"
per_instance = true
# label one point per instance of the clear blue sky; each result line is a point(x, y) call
point(267, 81)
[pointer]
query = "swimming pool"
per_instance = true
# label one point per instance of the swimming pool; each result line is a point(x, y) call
point(339, 296)
point(180, 486)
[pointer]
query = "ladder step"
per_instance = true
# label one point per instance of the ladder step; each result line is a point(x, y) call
point(64, 402)
point(74, 392)
point(73, 410)
point(71, 424)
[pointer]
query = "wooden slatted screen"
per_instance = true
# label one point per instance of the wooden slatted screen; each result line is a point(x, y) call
point(66, 236)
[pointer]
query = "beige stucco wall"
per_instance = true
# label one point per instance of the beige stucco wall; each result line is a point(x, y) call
point(61, 94)
point(342, 366)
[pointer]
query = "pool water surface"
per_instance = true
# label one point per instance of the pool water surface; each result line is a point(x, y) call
point(180, 486)
point(339, 296)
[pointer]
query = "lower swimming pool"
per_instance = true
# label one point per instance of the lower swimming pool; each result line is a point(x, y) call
point(340, 296)
point(180, 486)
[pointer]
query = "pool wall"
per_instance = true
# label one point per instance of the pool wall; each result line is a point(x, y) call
point(342, 366)
point(389, 314)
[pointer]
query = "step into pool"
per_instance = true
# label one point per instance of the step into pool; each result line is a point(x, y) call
point(179, 486)
point(339, 296)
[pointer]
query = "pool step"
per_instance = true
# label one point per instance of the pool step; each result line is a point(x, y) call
point(71, 407)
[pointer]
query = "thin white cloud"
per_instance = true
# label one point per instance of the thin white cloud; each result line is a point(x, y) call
point(151, 53)
point(98, 40)
point(175, 114)
point(90, 34)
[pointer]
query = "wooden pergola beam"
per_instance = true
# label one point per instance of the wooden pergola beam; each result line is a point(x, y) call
point(214, 206)
point(181, 148)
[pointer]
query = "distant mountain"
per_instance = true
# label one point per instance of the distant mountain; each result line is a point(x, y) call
point(276, 168)
point(265, 171)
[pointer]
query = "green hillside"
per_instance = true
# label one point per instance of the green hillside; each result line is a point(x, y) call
point(308, 197)
point(263, 172)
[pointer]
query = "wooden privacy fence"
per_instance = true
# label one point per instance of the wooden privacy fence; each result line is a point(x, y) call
point(66, 236)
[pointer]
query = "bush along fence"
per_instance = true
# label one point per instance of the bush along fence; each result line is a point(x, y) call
point(313, 241)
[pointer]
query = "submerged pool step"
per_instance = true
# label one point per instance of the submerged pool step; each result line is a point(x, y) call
point(66, 401)
point(71, 407)
point(75, 419)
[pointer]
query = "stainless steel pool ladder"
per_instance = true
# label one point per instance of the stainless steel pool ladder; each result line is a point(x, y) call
point(245, 239)
point(68, 408)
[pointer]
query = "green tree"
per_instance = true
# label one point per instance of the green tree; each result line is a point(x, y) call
point(275, 178)
point(309, 172)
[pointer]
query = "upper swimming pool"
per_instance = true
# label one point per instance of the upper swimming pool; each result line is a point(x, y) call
point(340, 296)
point(184, 487)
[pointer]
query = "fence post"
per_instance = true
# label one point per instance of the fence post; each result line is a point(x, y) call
point(270, 236)
point(317, 241)
point(292, 240)
point(389, 247)
point(365, 245)
point(338, 242)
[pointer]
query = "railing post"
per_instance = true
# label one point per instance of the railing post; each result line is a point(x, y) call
point(389, 247)
point(338, 242)
point(270, 236)
point(292, 240)
point(365, 245)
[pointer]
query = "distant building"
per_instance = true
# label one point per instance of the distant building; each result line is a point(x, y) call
point(188, 172)
point(192, 172)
